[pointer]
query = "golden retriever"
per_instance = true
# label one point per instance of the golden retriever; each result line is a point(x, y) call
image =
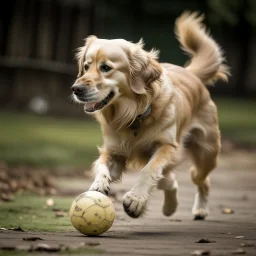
point(148, 111)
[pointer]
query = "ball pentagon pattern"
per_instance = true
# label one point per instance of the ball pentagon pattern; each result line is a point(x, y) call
point(92, 213)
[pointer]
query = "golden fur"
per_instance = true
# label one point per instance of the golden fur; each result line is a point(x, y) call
point(182, 110)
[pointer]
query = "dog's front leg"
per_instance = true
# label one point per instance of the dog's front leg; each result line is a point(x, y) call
point(107, 168)
point(134, 201)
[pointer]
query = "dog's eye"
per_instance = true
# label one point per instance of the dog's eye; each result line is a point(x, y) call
point(105, 68)
point(86, 67)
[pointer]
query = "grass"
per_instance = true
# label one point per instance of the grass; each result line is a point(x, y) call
point(238, 120)
point(61, 142)
point(28, 211)
point(46, 141)
point(31, 213)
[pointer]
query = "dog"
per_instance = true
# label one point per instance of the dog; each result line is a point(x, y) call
point(151, 113)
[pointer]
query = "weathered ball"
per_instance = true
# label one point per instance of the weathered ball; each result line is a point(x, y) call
point(92, 213)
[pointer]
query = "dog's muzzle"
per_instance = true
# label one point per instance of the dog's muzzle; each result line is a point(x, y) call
point(90, 98)
point(101, 104)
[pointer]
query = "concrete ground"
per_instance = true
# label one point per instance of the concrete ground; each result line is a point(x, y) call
point(232, 187)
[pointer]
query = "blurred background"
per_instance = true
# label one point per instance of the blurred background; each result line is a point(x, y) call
point(38, 38)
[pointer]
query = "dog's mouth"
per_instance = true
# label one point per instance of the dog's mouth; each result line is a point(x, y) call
point(93, 106)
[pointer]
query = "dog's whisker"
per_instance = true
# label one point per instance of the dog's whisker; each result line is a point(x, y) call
point(70, 100)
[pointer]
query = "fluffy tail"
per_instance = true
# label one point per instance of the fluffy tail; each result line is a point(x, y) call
point(206, 56)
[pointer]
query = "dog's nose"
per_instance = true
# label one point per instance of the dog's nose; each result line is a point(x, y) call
point(78, 89)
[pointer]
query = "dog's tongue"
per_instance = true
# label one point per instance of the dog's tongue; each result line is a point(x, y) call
point(90, 105)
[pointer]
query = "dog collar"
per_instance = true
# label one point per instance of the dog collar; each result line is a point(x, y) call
point(138, 120)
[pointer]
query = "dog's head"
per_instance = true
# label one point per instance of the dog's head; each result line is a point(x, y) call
point(110, 69)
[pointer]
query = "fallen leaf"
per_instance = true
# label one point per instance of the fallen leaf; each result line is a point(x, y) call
point(227, 211)
point(247, 245)
point(54, 209)
point(7, 248)
point(200, 252)
point(92, 243)
point(7, 197)
point(205, 240)
point(49, 202)
point(13, 229)
point(239, 251)
point(3, 174)
point(32, 238)
point(239, 237)
point(60, 214)
point(45, 248)
point(13, 185)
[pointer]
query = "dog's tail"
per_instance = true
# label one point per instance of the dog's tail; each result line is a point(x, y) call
point(206, 56)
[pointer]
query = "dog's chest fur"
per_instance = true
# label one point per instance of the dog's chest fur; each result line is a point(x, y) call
point(141, 146)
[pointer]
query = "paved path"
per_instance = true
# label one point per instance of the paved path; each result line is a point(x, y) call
point(177, 235)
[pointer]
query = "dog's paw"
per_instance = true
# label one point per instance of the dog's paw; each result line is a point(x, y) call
point(170, 202)
point(101, 185)
point(200, 214)
point(200, 207)
point(134, 205)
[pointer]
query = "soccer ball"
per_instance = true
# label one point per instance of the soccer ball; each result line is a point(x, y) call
point(92, 213)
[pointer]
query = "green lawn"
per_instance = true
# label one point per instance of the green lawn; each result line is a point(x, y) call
point(28, 211)
point(31, 213)
point(238, 120)
point(56, 142)
point(48, 141)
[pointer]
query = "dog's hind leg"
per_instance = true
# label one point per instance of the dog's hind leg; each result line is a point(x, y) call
point(169, 185)
point(203, 149)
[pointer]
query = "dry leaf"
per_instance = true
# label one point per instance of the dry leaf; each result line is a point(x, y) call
point(227, 211)
point(200, 252)
point(60, 214)
point(205, 240)
point(93, 243)
point(13, 229)
point(7, 248)
point(3, 176)
point(247, 245)
point(45, 248)
point(6, 197)
point(239, 251)
point(59, 210)
point(32, 238)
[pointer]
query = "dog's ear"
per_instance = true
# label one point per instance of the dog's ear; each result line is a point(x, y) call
point(144, 68)
point(80, 55)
